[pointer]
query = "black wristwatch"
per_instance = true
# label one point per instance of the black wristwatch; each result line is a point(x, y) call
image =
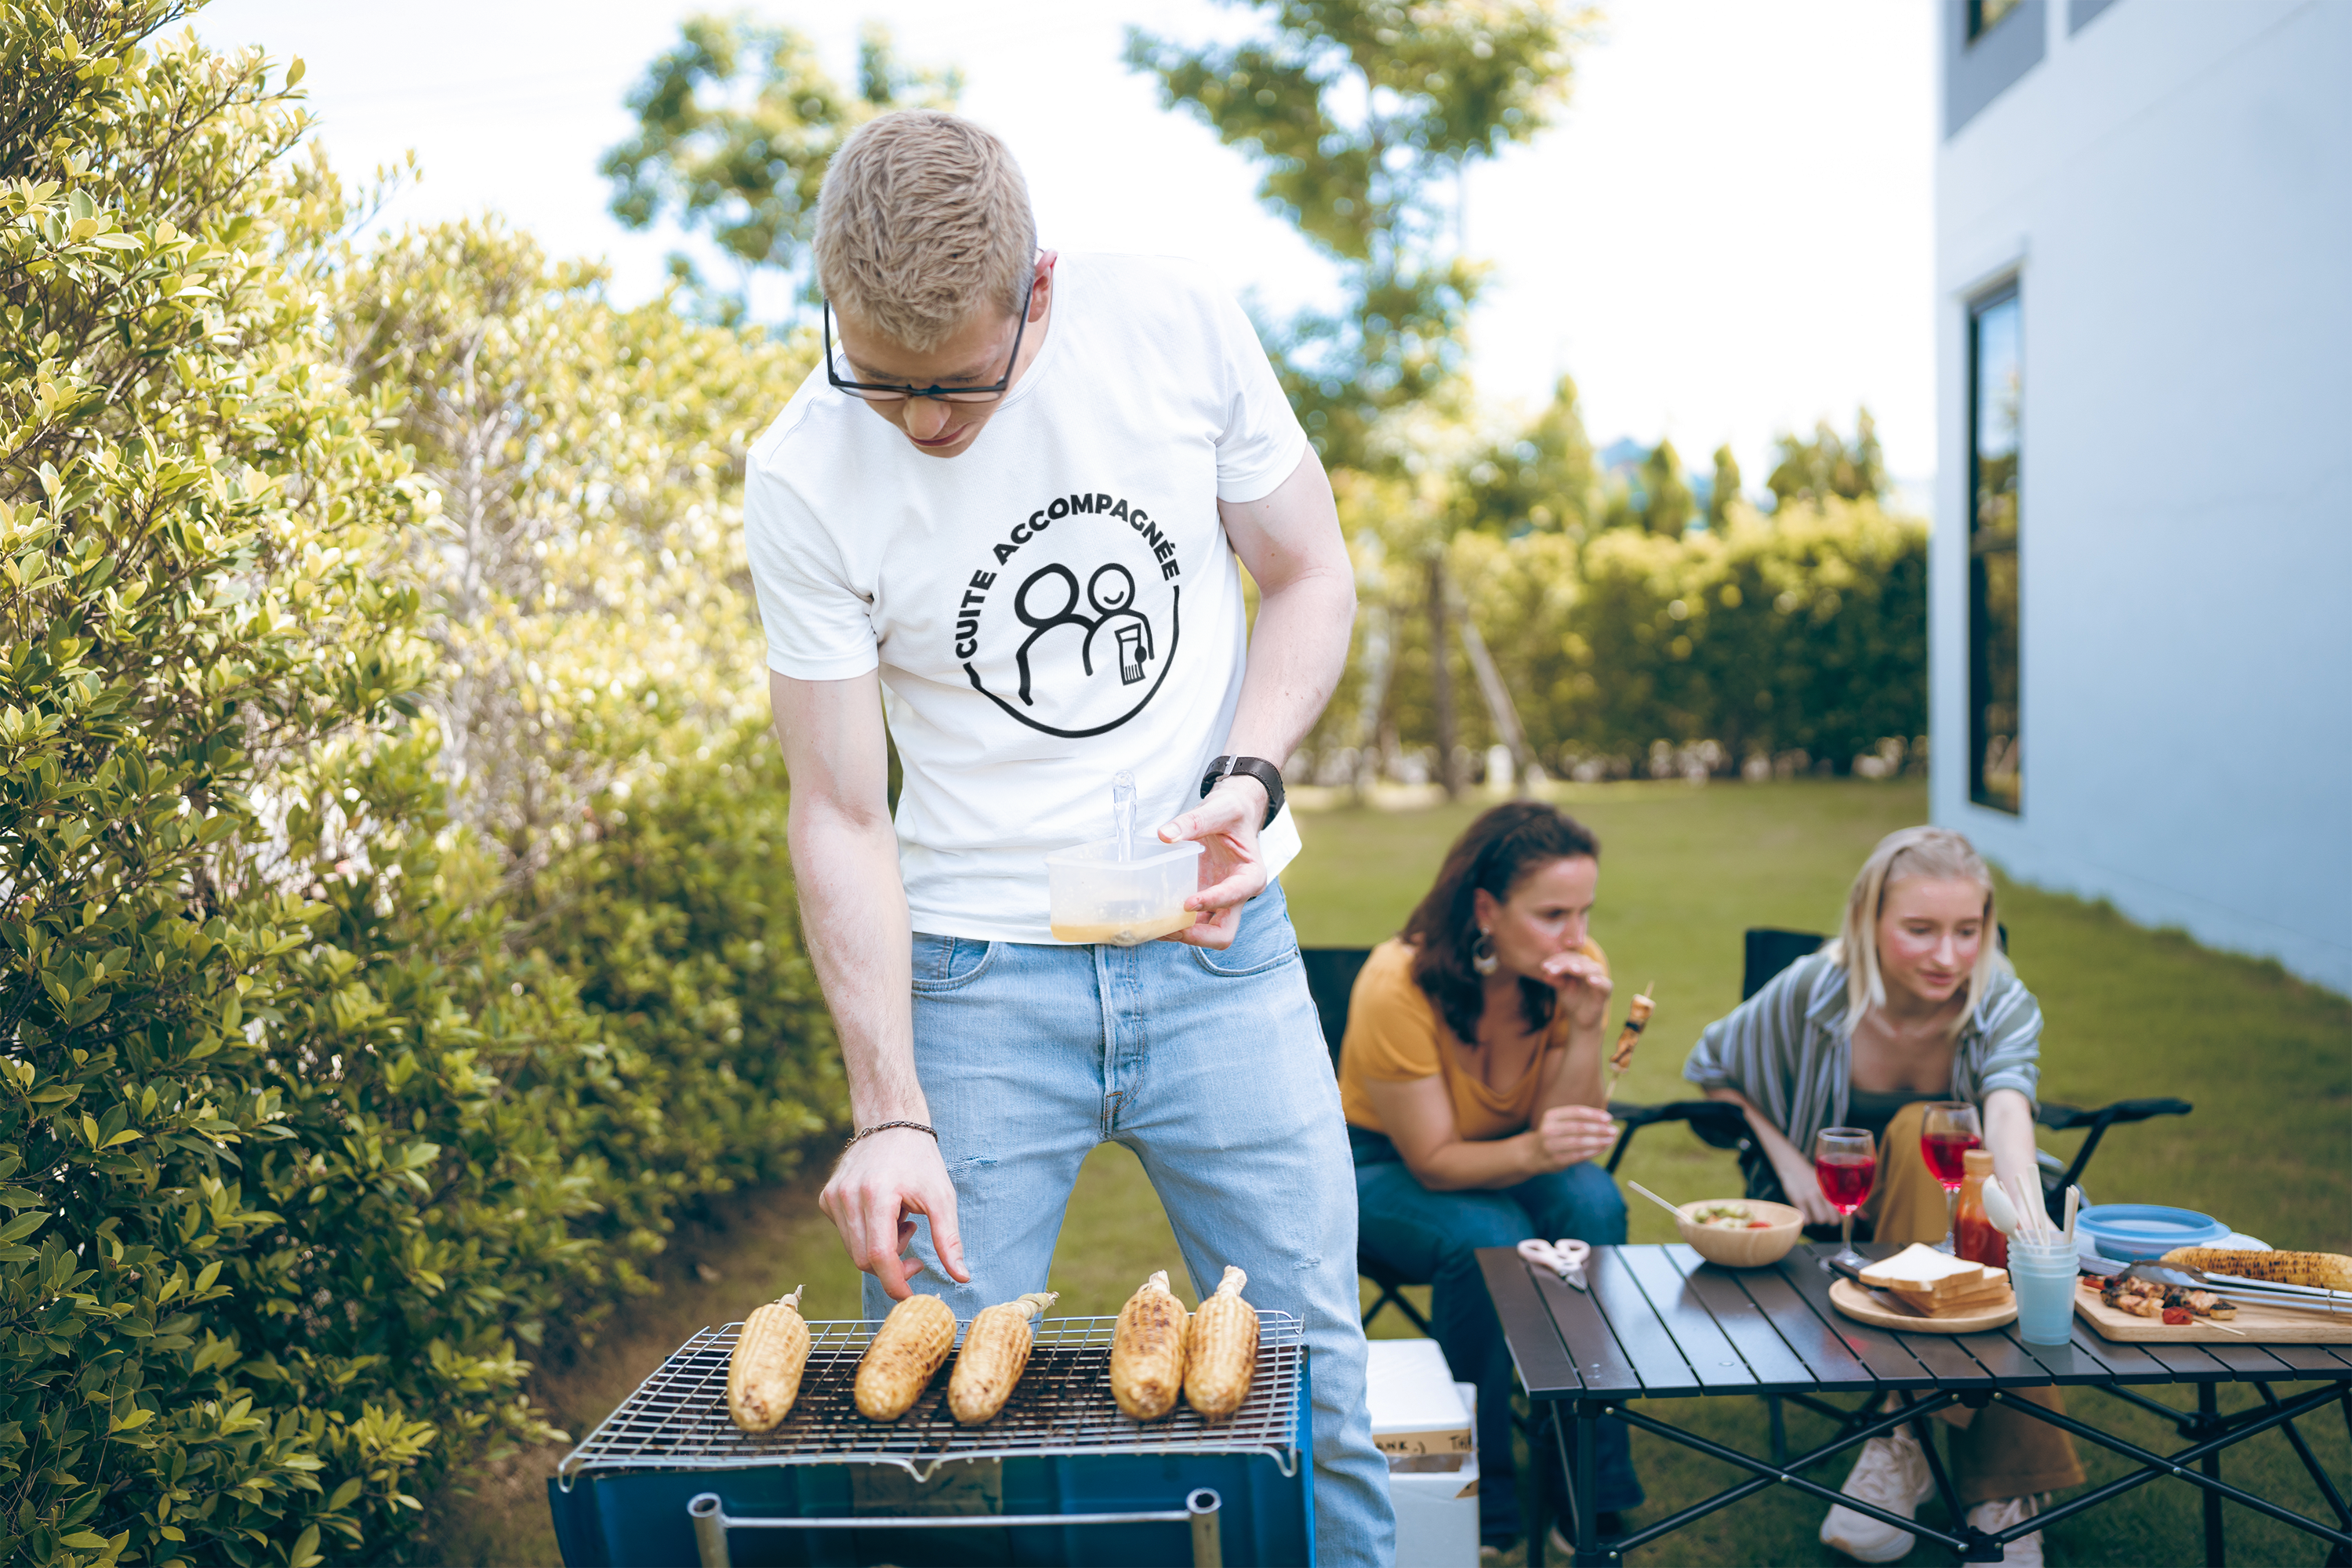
point(1258, 768)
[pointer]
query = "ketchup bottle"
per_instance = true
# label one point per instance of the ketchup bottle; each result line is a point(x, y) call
point(1973, 1236)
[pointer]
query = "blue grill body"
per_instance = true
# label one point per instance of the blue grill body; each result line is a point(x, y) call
point(1061, 1446)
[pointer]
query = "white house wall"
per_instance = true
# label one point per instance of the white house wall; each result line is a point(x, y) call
point(2172, 186)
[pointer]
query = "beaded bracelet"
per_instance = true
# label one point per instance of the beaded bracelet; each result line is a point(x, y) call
point(886, 1126)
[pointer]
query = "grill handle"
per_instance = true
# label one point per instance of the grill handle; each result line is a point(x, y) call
point(712, 1521)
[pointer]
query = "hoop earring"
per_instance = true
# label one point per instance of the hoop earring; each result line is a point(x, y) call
point(1482, 955)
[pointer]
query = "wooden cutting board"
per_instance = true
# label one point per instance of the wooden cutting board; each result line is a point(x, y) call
point(2255, 1325)
point(1855, 1303)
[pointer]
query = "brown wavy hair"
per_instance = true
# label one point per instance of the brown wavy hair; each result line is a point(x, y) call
point(1497, 852)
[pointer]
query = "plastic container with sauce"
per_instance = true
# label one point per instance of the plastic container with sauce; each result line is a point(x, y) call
point(1973, 1235)
point(1097, 897)
point(1114, 891)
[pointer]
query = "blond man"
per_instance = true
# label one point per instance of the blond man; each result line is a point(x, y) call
point(1007, 511)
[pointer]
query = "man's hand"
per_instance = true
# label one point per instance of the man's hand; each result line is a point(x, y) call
point(1570, 1135)
point(880, 1185)
point(1231, 872)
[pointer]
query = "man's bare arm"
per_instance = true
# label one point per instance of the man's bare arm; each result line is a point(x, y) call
point(854, 915)
point(1291, 541)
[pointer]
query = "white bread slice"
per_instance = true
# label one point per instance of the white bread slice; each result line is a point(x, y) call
point(1920, 1270)
point(1994, 1292)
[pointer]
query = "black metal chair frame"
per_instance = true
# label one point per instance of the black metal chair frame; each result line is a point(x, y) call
point(1331, 977)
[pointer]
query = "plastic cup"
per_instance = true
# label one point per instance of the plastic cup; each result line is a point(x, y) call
point(2044, 1278)
point(1097, 897)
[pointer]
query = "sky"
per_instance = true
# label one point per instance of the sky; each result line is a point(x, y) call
point(1727, 234)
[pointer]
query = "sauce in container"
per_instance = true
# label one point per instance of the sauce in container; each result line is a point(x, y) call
point(1973, 1235)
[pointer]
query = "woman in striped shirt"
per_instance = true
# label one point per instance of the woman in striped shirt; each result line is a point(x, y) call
point(1913, 1002)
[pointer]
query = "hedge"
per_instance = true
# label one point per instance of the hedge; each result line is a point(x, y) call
point(315, 1123)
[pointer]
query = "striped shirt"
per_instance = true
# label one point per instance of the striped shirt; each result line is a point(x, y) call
point(1789, 1050)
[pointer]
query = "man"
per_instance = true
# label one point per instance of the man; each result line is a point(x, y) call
point(1007, 513)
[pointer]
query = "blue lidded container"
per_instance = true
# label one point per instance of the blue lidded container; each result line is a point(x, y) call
point(2140, 1233)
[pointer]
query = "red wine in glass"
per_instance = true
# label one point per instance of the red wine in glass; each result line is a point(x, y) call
point(1947, 1130)
point(1845, 1162)
point(1845, 1183)
point(1946, 1154)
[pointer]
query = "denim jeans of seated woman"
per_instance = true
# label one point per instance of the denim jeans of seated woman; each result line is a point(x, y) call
point(1211, 1068)
point(1436, 1236)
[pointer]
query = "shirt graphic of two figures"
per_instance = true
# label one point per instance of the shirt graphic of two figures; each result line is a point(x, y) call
point(1117, 633)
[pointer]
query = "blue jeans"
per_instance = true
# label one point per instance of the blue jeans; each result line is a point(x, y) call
point(1211, 1068)
point(1436, 1236)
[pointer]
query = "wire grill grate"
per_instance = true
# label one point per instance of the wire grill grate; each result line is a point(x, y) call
point(677, 1419)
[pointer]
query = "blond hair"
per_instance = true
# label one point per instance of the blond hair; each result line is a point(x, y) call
point(923, 218)
point(1933, 852)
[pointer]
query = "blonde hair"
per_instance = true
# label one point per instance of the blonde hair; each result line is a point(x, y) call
point(1933, 852)
point(923, 217)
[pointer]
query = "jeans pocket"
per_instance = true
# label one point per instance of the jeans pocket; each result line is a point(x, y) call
point(1266, 940)
point(945, 963)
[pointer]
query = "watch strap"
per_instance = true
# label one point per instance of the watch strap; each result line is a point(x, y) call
point(1258, 768)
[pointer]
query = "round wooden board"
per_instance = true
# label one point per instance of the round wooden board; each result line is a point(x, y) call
point(1854, 1302)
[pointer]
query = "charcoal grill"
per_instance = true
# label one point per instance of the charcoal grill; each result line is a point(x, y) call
point(1061, 1476)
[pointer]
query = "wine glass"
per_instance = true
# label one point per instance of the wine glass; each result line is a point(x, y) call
point(1845, 1159)
point(1947, 1133)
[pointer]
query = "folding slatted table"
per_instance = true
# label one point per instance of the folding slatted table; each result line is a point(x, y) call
point(1660, 1322)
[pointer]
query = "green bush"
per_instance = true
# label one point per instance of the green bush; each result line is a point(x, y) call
point(316, 1118)
point(1807, 630)
point(1804, 631)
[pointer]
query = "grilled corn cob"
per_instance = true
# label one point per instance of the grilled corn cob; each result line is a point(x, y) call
point(1221, 1349)
point(907, 1350)
point(2328, 1270)
point(995, 1351)
point(763, 1375)
point(1147, 1351)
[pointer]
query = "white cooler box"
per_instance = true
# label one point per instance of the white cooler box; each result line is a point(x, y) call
point(1425, 1423)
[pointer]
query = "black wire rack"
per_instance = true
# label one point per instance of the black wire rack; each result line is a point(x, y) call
point(677, 1419)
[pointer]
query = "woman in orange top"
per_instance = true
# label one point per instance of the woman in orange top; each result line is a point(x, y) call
point(1471, 1078)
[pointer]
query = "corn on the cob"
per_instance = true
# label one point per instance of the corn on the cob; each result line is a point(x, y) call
point(2328, 1270)
point(763, 1375)
point(907, 1350)
point(995, 1351)
point(1147, 1351)
point(1221, 1349)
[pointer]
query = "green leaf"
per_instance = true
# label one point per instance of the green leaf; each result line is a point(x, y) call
point(23, 1226)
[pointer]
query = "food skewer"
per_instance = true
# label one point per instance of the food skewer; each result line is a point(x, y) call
point(1637, 1018)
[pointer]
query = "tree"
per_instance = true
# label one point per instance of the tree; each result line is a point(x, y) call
point(735, 127)
point(1667, 503)
point(1827, 466)
point(1724, 489)
point(1542, 478)
point(1364, 115)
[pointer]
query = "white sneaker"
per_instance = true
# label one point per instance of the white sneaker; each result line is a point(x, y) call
point(1892, 1474)
point(2003, 1512)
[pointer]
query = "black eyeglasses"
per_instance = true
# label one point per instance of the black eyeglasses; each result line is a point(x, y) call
point(892, 392)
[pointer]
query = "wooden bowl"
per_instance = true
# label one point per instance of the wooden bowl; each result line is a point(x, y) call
point(1743, 1248)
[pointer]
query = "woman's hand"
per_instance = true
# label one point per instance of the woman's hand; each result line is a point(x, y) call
point(1803, 1188)
point(1569, 1135)
point(1582, 985)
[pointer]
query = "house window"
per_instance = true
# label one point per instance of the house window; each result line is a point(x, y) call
point(1995, 390)
point(1984, 15)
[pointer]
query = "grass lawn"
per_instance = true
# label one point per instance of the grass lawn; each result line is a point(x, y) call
point(2267, 1062)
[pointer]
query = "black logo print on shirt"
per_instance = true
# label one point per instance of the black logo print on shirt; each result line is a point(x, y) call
point(1077, 644)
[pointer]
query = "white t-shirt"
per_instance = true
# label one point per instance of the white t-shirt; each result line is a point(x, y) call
point(1056, 603)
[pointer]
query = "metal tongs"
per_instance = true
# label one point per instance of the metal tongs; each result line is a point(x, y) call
point(1564, 1257)
point(2252, 1292)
